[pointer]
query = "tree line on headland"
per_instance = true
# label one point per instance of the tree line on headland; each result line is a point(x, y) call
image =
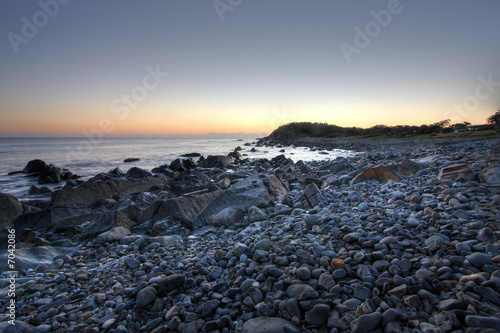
point(324, 130)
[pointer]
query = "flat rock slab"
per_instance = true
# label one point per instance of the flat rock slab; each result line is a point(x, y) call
point(454, 171)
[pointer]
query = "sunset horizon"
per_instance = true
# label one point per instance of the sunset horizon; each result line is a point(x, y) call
point(351, 65)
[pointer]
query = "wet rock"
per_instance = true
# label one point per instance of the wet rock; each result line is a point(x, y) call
point(113, 235)
point(227, 217)
point(145, 297)
point(11, 208)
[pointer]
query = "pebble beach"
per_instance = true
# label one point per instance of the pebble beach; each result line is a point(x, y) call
point(399, 237)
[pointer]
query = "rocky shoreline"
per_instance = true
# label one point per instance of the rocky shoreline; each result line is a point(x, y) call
point(403, 237)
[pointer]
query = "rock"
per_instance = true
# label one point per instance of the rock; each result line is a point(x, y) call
point(490, 175)
point(263, 244)
point(434, 242)
point(171, 282)
point(483, 322)
point(10, 209)
point(31, 257)
point(131, 159)
point(319, 314)
point(303, 273)
point(209, 308)
point(366, 323)
point(243, 194)
point(182, 209)
point(113, 235)
point(227, 217)
point(34, 166)
point(302, 292)
point(486, 235)
point(145, 297)
point(326, 281)
point(313, 195)
point(255, 214)
point(73, 201)
point(182, 165)
point(269, 325)
point(50, 174)
point(456, 171)
point(218, 161)
point(107, 221)
point(380, 173)
point(34, 190)
point(135, 172)
point(478, 259)
point(362, 207)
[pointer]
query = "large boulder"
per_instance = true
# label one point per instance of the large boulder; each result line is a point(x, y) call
point(490, 175)
point(252, 191)
point(217, 161)
point(34, 166)
point(74, 201)
point(107, 221)
point(10, 209)
point(380, 173)
point(227, 217)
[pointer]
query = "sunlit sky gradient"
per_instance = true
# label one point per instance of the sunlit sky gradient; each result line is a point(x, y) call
point(266, 63)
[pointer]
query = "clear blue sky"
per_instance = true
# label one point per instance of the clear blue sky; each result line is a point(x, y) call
point(250, 66)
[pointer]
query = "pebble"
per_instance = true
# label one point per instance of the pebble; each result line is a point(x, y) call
point(416, 255)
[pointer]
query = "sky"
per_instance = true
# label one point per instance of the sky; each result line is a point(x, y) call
point(111, 68)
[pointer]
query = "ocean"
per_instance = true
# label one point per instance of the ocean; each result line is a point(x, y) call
point(87, 158)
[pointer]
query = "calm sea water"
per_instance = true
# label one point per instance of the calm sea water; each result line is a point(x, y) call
point(87, 158)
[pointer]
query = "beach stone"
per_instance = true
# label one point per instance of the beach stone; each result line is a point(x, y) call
point(113, 235)
point(145, 297)
point(263, 244)
point(434, 242)
point(362, 293)
point(255, 214)
point(11, 208)
point(292, 307)
point(319, 314)
point(171, 282)
point(483, 322)
point(209, 308)
point(326, 281)
point(313, 195)
point(302, 292)
point(303, 273)
point(269, 325)
point(490, 175)
point(478, 259)
point(362, 207)
point(227, 217)
point(486, 235)
point(366, 323)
